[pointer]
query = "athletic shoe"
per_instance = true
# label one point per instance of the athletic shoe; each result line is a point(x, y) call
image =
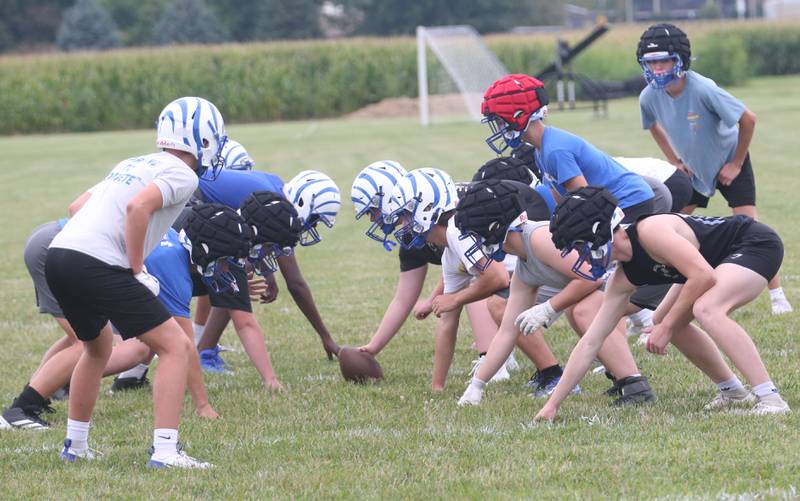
point(771, 404)
point(178, 460)
point(24, 419)
point(471, 396)
point(729, 399)
point(634, 390)
point(511, 363)
point(544, 386)
point(130, 383)
point(210, 361)
point(781, 306)
point(70, 455)
point(636, 328)
point(501, 374)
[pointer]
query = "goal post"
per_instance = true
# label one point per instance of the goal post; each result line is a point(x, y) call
point(467, 61)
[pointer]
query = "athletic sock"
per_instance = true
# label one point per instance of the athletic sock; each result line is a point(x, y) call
point(136, 372)
point(552, 371)
point(730, 386)
point(777, 294)
point(198, 331)
point(764, 389)
point(30, 399)
point(165, 442)
point(78, 432)
point(477, 384)
point(482, 354)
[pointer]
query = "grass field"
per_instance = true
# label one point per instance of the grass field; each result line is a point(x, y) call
point(328, 439)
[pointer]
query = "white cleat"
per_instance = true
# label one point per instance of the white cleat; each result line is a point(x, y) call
point(471, 396)
point(178, 460)
point(70, 454)
point(781, 306)
point(511, 363)
point(723, 401)
point(771, 404)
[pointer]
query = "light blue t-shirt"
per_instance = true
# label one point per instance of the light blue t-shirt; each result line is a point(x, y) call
point(169, 263)
point(564, 156)
point(701, 124)
point(232, 186)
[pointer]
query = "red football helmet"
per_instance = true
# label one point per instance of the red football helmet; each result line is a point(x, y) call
point(509, 105)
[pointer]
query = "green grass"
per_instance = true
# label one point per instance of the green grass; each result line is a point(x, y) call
point(328, 439)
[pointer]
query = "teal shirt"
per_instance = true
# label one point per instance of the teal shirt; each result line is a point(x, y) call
point(701, 124)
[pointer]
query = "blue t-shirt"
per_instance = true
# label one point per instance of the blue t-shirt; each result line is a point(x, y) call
point(564, 156)
point(232, 186)
point(169, 263)
point(544, 191)
point(701, 124)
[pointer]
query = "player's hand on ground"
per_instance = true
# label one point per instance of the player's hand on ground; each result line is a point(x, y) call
point(274, 385)
point(422, 309)
point(546, 415)
point(728, 173)
point(658, 338)
point(367, 348)
point(208, 412)
point(331, 348)
point(444, 303)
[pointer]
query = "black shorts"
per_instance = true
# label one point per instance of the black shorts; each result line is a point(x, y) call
point(741, 192)
point(233, 300)
point(759, 249)
point(633, 212)
point(649, 296)
point(91, 293)
point(505, 291)
point(680, 187)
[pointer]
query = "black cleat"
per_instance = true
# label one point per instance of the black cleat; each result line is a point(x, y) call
point(634, 390)
point(25, 419)
point(129, 383)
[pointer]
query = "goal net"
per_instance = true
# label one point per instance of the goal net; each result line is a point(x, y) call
point(452, 82)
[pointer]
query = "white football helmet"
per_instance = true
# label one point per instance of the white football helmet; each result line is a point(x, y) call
point(370, 193)
point(235, 157)
point(194, 125)
point(417, 201)
point(316, 198)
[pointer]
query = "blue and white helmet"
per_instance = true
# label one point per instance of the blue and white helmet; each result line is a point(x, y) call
point(194, 125)
point(417, 201)
point(235, 157)
point(370, 193)
point(316, 198)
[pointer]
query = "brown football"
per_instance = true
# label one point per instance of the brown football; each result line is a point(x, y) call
point(358, 366)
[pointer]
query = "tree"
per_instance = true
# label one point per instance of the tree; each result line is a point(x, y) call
point(188, 21)
point(87, 25)
point(282, 20)
point(135, 18)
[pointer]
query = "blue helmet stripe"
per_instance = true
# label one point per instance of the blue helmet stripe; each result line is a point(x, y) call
point(196, 130)
point(184, 110)
point(444, 183)
point(434, 187)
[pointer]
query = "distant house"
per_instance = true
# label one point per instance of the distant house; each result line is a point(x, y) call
point(782, 9)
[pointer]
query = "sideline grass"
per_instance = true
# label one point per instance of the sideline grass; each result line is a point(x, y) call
point(328, 439)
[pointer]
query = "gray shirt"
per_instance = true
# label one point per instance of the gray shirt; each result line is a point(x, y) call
point(531, 270)
point(98, 228)
point(701, 124)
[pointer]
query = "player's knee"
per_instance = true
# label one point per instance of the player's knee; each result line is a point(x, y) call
point(705, 311)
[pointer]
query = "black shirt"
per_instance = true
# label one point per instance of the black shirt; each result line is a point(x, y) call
point(412, 259)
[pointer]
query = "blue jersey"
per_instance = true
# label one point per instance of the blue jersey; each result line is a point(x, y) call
point(169, 263)
point(544, 191)
point(564, 156)
point(232, 186)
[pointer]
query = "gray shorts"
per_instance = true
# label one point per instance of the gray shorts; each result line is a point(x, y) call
point(35, 255)
point(649, 296)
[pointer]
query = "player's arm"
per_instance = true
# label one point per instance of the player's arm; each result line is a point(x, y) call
point(663, 243)
point(137, 215)
point(660, 136)
point(79, 202)
point(489, 281)
point(575, 182)
point(577, 288)
point(409, 287)
point(301, 293)
point(747, 125)
point(615, 300)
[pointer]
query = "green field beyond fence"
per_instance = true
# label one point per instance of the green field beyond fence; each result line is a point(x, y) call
point(396, 440)
point(298, 80)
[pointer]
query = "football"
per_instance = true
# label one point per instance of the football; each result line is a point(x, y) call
point(358, 366)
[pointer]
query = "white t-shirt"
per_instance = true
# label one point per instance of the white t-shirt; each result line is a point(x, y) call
point(656, 168)
point(98, 229)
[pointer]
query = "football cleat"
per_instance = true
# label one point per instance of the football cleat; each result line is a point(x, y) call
point(729, 399)
point(129, 383)
point(177, 460)
point(633, 390)
point(70, 455)
point(24, 419)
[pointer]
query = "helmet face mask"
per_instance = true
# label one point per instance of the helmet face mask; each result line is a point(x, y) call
point(417, 203)
point(599, 259)
point(218, 276)
point(509, 106)
point(371, 191)
point(264, 257)
point(661, 80)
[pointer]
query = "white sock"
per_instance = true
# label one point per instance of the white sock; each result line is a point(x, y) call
point(642, 317)
point(135, 372)
point(477, 384)
point(78, 432)
point(777, 294)
point(732, 385)
point(198, 332)
point(165, 442)
point(765, 389)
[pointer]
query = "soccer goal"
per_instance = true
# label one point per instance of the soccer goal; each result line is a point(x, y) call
point(452, 83)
